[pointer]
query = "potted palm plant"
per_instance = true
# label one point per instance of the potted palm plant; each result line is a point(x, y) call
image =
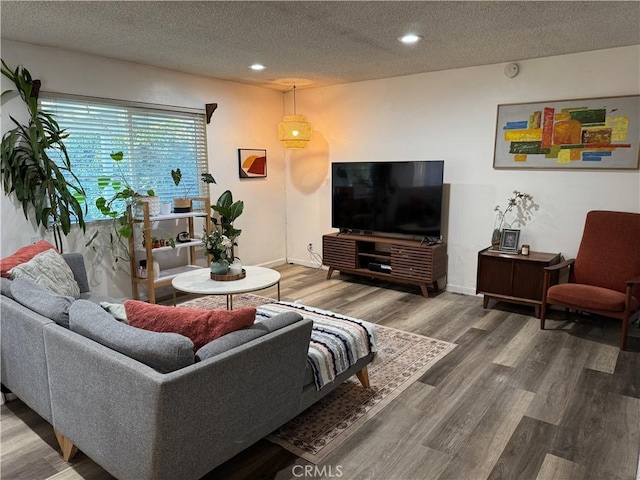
point(43, 186)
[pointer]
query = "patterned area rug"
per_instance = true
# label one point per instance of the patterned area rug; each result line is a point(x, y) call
point(402, 358)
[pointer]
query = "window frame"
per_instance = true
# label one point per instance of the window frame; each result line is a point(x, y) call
point(183, 116)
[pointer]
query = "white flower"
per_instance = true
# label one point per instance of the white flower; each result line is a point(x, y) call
point(226, 242)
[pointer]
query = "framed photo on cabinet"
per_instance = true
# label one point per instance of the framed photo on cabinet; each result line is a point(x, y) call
point(509, 240)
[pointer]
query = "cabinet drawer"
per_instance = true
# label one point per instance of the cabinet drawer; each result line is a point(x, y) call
point(339, 252)
point(412, 263)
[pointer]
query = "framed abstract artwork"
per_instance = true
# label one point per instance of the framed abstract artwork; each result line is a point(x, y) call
point(252, 163)
point(587, 133)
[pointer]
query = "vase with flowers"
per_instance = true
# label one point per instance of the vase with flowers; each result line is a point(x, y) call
point(219, 247)
point(524, 206)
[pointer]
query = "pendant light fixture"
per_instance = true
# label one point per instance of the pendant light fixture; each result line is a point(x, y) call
point(294, 131)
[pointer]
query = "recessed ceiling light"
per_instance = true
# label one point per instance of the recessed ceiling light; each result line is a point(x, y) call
point(258, 67)
point(410, 38)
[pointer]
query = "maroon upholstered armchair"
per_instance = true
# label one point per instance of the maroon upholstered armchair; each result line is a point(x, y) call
point(604, 278)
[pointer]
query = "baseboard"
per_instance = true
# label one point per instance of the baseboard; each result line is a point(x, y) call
point(460, 289)
point(273, 263)
point(306, 263)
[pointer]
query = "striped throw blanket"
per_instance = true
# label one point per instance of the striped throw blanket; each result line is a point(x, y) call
point(337, 341)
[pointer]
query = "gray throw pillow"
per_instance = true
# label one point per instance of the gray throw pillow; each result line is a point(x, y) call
point(42, 300)
point(165, 352)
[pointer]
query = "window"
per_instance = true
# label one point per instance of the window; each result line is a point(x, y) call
point(153, 139)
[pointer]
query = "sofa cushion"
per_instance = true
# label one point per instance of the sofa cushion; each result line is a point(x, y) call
point(5, 285)
point(240, 337)
point(76, 264)
point(201, 326)
point(166, 352)
point(229, 341)
point(50, 270)
point(589, 297)
point(42, 300)
point(23, 255)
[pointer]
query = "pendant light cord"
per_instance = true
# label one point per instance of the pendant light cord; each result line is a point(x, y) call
point(294, 98)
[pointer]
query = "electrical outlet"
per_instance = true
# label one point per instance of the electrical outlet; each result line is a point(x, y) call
point(310, 247)
point(34, 239)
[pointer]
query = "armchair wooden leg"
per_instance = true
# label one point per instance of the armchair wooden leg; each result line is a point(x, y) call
point(625, 318)
point(543, 304)
point(68, 449)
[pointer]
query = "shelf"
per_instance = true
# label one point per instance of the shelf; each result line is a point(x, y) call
point(195, 242)
point(172, 216)
point(138, 252)
point(383, 255)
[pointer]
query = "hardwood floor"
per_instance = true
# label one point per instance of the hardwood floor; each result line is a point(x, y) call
point(511, 401)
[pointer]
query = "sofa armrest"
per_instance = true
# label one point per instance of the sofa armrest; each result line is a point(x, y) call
point(76, 263)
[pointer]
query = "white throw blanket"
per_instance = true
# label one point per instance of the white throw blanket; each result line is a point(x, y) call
point(337, 341)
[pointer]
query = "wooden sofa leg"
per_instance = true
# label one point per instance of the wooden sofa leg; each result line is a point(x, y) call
point(68, 449)
point(363, 376)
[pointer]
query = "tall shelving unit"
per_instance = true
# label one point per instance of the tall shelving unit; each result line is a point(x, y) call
point(146, 221)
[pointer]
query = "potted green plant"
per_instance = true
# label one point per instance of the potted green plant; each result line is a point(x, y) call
point(117, 209)
point(220, 242)
point(226, 212)
point(44, 186)
point(183, 204)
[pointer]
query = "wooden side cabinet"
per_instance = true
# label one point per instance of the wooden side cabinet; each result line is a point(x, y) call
point(397, 260)
point(514, 278)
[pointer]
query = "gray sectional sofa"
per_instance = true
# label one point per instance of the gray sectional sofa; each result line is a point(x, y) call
point(100, 383)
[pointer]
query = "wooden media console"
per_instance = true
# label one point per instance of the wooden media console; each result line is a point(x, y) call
point(386, 258)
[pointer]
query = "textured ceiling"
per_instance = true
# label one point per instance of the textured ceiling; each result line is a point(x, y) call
point(326, 42)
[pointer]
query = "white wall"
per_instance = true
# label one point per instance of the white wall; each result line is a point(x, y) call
point(451, 115)
point(246, 117)
point(448, 115)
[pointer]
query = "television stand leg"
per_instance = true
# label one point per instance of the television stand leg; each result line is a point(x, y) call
point(424, 290)
point(329, 273)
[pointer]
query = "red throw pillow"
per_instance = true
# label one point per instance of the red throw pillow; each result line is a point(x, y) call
point(201, 326)
point(23, 255)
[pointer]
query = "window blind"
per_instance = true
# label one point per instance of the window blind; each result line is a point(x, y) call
point(153, 141)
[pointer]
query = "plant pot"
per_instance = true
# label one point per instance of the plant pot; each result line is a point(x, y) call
point(154, 205)
point(181, 205)
point(219, 268)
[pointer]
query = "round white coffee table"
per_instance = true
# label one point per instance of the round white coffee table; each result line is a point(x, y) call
point(199, 282)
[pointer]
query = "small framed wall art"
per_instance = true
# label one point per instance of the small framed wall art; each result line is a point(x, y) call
point(586, 133)
point(252, 163)
point(509, 240)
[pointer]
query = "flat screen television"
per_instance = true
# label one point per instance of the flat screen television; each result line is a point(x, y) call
point(402, 198)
